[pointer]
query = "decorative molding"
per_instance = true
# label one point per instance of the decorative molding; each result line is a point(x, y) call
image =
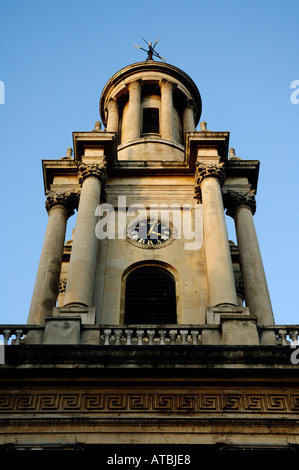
point(209, 170)
point(239, 286)
point(62, 286)
point(235, 199)
point(268, 401)
point(67, 200)
point(95, 170)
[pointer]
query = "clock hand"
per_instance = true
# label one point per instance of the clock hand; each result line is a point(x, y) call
point(151, 229)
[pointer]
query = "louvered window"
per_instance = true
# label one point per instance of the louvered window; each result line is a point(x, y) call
point(150, 296)
point(150, 121)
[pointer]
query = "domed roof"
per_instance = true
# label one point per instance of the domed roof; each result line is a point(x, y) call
point(150, 70)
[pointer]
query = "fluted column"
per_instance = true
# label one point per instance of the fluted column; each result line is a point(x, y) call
point(59, 206)
point(134, 111)
point(208, 181)
point(166, 114)
point(80, 282)
point(242, 206)
point(113, 116)
point(188, 117)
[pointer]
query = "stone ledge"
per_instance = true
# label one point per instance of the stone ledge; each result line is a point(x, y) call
point(166, 357)
point(86, 314)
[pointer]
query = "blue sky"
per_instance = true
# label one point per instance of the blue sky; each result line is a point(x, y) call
point(56, 57)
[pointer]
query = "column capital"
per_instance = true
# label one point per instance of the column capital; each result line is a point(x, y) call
point(94, 170)
point(135, 85)
point(209, 170)
point(167, 84)
point(112, 104)
point(68, 200)
point(189, 103)
point(236, 199)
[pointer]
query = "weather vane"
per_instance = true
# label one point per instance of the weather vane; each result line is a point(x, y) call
point(151, 50)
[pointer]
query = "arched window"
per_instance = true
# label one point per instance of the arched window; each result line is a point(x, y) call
point(150, 296)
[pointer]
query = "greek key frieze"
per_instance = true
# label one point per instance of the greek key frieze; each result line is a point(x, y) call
point(150, 402)
point(254, 402)
point(209, 402)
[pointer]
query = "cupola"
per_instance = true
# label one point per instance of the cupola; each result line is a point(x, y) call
point(150, 105)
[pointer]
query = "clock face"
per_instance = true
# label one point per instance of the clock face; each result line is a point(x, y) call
point(149, 233)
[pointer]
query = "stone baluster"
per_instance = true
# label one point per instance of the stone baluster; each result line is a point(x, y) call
point(209, 179)
point(59, 207)
point(129, 334)
point(19, 334)
point(107, 337)
point(173, 336)
point(241, 206)
point(162, 334)
point(151, 336)
point(283, 335)
point(118, 335)
point(6, 335)
point(194, 336)
point(140, 335)
point(294, 337)
point(184, 336)
point(80, 282)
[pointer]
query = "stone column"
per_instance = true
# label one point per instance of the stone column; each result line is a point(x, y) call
point(242, 206)
point(166, 115)
point(208, 181)
point(59, 206)
point(80, 282)
point(113, 116)
point(134, 120)
point(188, 117)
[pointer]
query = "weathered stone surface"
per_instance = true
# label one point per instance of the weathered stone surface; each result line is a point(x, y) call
point(62, 331)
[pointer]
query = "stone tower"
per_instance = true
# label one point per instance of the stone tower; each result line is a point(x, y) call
point(153, 173)
point(149, 312)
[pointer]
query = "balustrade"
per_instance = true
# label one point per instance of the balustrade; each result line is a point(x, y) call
point(148, 335)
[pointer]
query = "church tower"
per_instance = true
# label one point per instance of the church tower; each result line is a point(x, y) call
point(150, 314)
point(156, 251)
